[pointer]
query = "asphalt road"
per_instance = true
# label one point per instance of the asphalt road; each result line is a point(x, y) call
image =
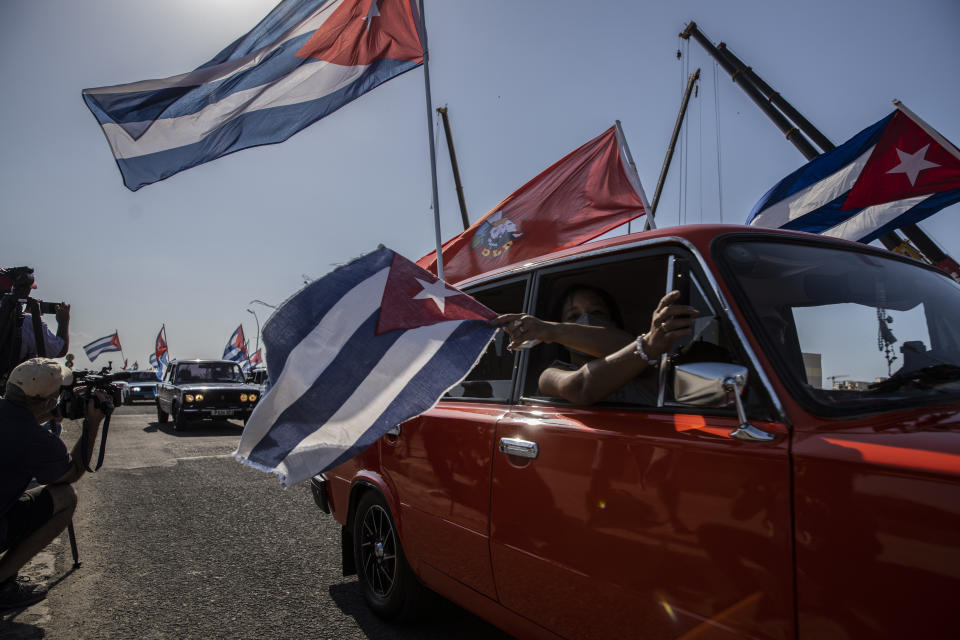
point(178, 540)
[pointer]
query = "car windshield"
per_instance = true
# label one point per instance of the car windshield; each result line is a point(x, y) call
point(851, 331)
point(209, 372)
point(142, 376)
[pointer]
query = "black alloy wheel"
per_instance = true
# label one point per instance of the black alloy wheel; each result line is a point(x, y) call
point(389, 585)
point(162, 416)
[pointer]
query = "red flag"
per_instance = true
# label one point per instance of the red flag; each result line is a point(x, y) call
point(581, 196)
point(256, 358)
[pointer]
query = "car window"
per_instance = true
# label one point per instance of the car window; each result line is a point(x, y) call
point(850, 331)
point(492, 377)
point(632, 287)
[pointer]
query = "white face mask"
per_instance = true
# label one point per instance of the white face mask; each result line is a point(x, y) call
point(591, 320)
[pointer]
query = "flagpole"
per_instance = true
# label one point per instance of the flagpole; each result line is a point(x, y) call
point(637, 184)
point(433, 152)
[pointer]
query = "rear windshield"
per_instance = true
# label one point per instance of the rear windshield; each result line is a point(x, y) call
point(851, 331)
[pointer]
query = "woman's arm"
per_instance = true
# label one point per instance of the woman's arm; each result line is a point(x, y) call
point(596, 341)
point(599, 378)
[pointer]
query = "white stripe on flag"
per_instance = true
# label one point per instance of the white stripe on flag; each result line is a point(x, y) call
point(814, 196)
point(312, 356)
point(410, 353)
point(311, 81)
point(872, 218)
point(226, 69)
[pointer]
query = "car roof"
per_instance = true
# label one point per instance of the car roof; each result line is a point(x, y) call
point(699, 235)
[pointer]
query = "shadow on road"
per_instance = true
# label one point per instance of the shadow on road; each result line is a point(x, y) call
point(11, 630)
point(441, 619)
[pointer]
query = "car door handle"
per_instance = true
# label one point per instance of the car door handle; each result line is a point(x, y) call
point(519, 448)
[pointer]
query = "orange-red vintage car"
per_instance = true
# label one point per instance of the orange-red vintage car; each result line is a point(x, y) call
point(797, 476)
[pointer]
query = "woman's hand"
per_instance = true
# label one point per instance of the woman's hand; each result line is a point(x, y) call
point(522, 327)
point(669, 323)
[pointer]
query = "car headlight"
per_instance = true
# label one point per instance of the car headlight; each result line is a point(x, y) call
point(253, 397)
point(188, 397)
point(136, 389)
point(199, 397)
point(243, 397)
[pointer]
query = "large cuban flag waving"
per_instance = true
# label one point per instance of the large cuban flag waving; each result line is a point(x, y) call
point(305, 60)
point(355, 353)
point(896, 172)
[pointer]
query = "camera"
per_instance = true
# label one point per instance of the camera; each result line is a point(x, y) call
point(74, 397)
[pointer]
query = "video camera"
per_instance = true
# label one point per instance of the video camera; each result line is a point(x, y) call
point(19, 281)
point(73, 402)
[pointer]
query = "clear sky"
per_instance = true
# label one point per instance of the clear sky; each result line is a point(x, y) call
point(525, 82)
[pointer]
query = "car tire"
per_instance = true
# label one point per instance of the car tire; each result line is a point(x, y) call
point(391, 589)
point(162, 416)
point(179, 419)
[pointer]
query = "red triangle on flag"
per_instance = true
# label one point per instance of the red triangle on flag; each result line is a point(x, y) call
point(906, 162)
point(360, 32)
point(414, 297)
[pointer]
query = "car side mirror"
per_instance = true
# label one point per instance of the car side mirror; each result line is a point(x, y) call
point(717, 384)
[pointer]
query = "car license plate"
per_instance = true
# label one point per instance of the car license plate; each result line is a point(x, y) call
point(222, 412)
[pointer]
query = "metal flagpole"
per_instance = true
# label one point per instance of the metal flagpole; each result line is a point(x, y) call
point(634, 177)
point(433, 152)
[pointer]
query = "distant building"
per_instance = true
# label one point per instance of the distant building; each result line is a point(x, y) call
point(852, 385)
point(813, 368)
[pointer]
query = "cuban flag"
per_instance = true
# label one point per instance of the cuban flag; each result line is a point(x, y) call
point(354, 354)
point(256, 359)
point(102, 345)
point(136, 366)
point(236, 348)
point(159, 365)
point(305, 60)
point(893, 173)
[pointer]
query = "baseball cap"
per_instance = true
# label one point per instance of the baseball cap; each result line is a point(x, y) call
point(40, 377)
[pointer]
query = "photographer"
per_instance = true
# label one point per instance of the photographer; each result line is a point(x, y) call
point(31, 519)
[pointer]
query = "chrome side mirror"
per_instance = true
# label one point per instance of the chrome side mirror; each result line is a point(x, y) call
point(716, 384)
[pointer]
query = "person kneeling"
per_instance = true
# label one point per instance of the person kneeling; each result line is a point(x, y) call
point(31, 519)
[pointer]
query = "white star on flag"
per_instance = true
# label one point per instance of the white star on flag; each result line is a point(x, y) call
point(374, 12)
point(436, 291)
point(913, 163)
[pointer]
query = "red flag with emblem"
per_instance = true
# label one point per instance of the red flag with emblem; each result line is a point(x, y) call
point(581, 196)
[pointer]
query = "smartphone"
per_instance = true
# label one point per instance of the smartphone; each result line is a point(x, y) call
point(48, 307)
point(681, 282)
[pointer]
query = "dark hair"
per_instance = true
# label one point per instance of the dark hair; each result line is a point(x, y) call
point(615, 316)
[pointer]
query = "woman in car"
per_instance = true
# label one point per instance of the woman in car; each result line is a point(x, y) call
point(605, 360)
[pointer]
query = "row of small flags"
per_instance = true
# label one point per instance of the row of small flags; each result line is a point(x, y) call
point(308, 58)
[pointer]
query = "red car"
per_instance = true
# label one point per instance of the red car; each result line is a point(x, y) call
point(797, 476)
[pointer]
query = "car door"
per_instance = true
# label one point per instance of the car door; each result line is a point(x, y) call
point(616, 521)
point(439, 463)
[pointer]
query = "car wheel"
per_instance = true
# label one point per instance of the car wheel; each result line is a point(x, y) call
point(179, 419)
point(389, 585)
point(162, 416)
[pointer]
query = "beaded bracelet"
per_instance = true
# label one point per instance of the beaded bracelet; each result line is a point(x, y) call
point(640, 352)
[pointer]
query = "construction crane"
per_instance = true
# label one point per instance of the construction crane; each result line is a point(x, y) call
point(833, 379)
